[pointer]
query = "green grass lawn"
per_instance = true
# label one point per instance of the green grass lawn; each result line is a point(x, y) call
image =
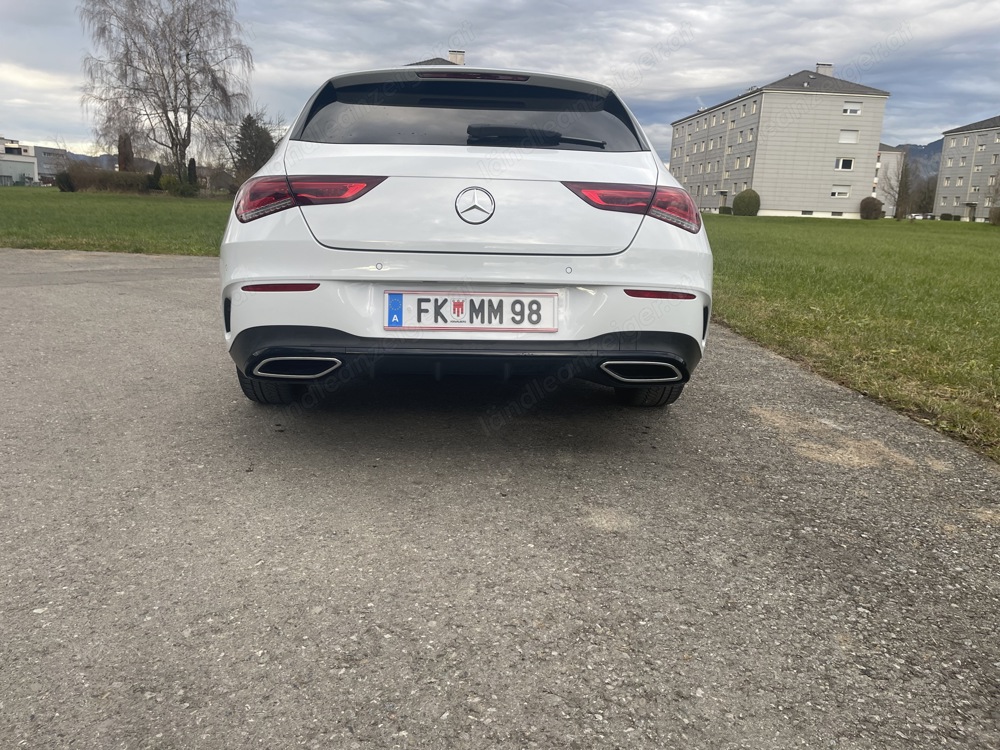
point(46, 218)
point(906, 312)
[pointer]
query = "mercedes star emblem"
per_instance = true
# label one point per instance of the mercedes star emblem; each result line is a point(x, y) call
point(475, 205)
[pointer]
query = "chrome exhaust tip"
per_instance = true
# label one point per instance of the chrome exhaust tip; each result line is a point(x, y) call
point(640, 372)
point(296, 368)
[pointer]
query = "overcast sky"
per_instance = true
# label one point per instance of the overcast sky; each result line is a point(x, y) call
point(938, 59)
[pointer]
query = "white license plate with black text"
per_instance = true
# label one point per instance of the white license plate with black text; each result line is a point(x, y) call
point(462, 311)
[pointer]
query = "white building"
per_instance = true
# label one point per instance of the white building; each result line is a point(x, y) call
point(808, 144)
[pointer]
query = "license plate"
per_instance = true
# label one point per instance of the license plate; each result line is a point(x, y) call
point(461, 311)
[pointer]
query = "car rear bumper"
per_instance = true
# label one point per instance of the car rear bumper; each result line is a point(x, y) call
point(309, 353)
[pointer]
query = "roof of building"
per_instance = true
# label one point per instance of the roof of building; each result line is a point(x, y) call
point(804, 80)
point(433, 61)
point(887, 147)
point(807, 79)
point(988, 124)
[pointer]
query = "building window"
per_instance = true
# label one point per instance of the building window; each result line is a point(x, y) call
point(836, 213)
point(713, 120)
point(965, 141)
point(807, 213)
point(995, 159)
point(978, 168)
point(747, 163)
point(988, 200)
point(726, 174)
point(732, 124)
point(849, 136)
point(841, 191)
point(753, 111)
point(729, 149)
point(750, 135)
point(708, 168)
point(944, 200)
point(992, 180)
point(959, 181)
point(743, 110)
point(852, 108)
point(996, 138)
point(955, 202)
point(722, 116)
point(740, 138)
point(711, 144)
point(947, 182)
point(951, 162)
point(951, 143)
point(844, 164)
point(974, 189)
point(981, 147)
point(961, 161)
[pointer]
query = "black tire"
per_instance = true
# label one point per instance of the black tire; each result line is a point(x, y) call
point(654, 395)
point(268, 392)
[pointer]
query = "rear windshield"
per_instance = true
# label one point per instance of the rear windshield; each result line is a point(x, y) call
point(469, 113)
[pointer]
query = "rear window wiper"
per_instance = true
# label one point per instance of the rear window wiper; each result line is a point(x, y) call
point(526, 137)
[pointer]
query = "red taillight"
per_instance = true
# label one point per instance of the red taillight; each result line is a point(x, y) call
point(675, 206)
point(307, 287)
point(263, 196)
point(633, 199)
point(654, 294)
point(668, 204)
point(318, 191)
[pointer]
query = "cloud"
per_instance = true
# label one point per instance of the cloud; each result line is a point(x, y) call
point(666, 61)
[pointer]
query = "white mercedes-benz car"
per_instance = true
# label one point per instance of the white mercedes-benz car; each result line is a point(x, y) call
point(453, 220)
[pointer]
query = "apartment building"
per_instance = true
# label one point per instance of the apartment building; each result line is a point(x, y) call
point(807, 143)
point(18, 165)
point(969, 175)
point(887, 175)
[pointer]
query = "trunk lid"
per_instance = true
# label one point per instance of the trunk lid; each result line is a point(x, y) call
point(417, 208)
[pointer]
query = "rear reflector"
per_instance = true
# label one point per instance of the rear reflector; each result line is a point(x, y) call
point(263, 196)
point(672, 205)
point(654, 294)
point(279, 287)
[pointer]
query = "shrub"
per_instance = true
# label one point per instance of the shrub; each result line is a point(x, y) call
point(726, 210)
point(945, 217)
point(746, 203)
point(153, 180)
point(172, 184)
point(871, 208)
point(193, 173)
point(86, 177)
point(956, 217)
point(995, 216)
point(65, 183)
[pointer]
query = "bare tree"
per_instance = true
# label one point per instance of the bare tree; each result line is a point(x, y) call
point(162, 67)
point(897, 186)
point(225, 140)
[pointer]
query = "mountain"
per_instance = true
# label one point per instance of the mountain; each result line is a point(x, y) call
point(926, 159)
point(110, 162)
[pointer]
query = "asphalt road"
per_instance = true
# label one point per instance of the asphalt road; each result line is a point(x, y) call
point(772, 562)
